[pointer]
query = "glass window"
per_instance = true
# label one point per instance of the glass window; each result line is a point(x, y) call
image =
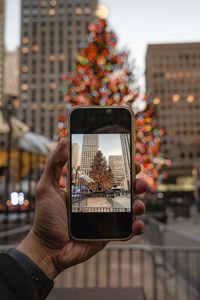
point(190, 155)
point(87, 2)
point(25, 20)
point(33, 97)
point(60, 66)
point(34, 3)
point(26, 12)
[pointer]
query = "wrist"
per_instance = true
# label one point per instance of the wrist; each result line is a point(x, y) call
point(32, 247)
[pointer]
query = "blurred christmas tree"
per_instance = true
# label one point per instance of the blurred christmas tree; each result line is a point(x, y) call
point(100, 175)
point(104, 76)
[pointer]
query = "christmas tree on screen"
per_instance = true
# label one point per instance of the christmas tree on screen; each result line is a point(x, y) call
point(104, 76)
point(100, 175)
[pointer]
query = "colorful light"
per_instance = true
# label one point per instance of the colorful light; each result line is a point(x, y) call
point(103, 76)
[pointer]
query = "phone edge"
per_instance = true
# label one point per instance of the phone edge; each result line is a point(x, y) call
point(69, 171)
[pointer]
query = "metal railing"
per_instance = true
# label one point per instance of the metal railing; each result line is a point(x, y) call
point(99, 209)
point(184, 264)
point(160, 234)
point(131, 266)
point(11, 236)
point(164, 272)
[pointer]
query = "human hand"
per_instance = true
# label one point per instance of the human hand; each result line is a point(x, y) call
point(48, 243)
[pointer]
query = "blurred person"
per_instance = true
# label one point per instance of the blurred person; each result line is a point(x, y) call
point(28, 271)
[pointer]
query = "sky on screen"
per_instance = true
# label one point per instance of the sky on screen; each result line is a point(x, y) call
point(109, 144)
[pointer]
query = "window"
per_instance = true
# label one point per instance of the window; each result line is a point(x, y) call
point(51, 97)
point(34, 3)
point(51, 66)
point(60, 66)
point(87, 2)
point(26, 12)
point(61, 2)
point(26, 3)
point(33, 97)
point(26, 20)
point(42, 95)
point(34, 12)
point(24, 77)
point(190, 155)
point(42, 120)
point(86, 27)
point(69, 65)
point(51, 126)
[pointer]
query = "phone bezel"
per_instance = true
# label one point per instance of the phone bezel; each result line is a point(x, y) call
point(69, 168)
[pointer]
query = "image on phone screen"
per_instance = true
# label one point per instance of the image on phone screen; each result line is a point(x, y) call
point(100, 169)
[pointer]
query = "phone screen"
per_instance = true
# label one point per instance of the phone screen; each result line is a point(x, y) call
point(101, 173)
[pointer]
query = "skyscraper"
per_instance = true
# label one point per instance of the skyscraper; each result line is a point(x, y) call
point(125, 142)
point(172, 75)
point(89, 150)
point(75, 155)
point(50, 34)
point(1, 47)
point(116, 165)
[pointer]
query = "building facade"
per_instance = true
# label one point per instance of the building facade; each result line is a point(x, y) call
point(2, 17)
point(173, 76)
point(51, 32)
point(75, 156)
point(116, 165)
point(89, 150)
point(125, 142)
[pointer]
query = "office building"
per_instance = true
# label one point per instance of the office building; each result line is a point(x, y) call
point(116, 165)
point(125, 142)
point(1, 48)
point(89, 150)
point(172, 76)
point(75, 156)
point(51, 32)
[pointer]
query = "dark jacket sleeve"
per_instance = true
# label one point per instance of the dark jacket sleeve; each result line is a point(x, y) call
point(15, 283)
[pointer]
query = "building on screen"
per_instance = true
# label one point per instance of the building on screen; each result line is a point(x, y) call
point(89, 150)
point(116, 165)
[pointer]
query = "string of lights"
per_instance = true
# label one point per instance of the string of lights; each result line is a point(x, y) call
point(104, 76)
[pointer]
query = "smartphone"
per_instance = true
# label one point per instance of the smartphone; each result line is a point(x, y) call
point(101, 172)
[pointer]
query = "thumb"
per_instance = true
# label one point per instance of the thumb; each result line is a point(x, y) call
point(55, 163)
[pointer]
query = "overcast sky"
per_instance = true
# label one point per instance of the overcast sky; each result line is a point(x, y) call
point(109, 143)
point(136, 22)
